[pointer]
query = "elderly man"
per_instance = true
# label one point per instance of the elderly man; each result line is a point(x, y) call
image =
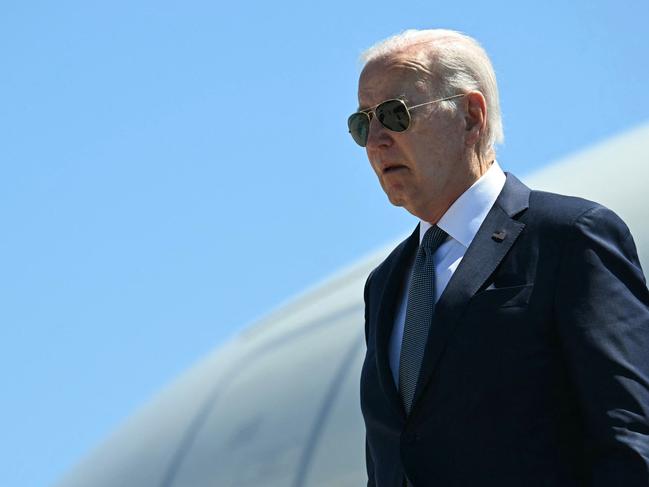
point(508, 336)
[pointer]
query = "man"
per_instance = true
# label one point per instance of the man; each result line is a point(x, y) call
point(508, 336)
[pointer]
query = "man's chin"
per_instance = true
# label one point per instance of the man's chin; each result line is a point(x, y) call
point(396, 200)
point(398, 195)
point(401, 202)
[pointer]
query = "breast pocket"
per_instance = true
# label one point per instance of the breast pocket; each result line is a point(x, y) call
point(503, 297)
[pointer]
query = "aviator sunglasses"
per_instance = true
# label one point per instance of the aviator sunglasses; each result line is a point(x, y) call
point(393, 114)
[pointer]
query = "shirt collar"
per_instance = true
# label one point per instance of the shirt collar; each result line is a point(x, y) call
point(464, 217)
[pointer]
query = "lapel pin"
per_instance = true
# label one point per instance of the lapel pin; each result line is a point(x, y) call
point(499, 236)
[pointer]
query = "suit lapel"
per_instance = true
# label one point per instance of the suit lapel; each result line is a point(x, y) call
point(400, 264)
point(495, 237)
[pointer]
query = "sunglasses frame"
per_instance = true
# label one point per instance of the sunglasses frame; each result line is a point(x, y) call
point(371, 112)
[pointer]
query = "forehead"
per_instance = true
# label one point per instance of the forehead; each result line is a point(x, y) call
point(392, 77)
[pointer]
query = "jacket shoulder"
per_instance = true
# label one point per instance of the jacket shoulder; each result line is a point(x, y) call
point(579, 220)
point(563, 211)
point(558, 207)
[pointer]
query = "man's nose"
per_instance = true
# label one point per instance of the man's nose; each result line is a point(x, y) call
point(378, 135)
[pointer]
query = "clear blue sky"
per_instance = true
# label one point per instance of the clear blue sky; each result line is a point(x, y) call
point(170, 171)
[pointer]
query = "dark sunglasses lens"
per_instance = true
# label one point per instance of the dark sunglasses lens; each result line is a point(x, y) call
point(359, 124)
point(394, 115)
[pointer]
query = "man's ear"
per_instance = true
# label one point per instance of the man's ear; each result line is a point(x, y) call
point(475, 116)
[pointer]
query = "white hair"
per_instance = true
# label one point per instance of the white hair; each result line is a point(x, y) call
point(460, 63)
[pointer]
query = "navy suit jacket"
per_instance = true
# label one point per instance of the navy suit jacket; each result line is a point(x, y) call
point(536, 367)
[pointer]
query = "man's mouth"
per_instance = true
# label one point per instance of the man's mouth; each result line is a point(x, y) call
point(393, 168)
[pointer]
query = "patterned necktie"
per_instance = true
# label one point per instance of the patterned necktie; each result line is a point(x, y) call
point(419, 314)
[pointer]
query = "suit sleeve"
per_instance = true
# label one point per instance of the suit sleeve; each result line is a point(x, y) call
point(602, 311)
point(370, 466)
point(368, 454)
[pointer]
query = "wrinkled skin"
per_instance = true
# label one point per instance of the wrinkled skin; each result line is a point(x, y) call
point(427, 167)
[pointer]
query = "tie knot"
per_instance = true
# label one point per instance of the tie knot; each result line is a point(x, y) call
point(433, 238)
